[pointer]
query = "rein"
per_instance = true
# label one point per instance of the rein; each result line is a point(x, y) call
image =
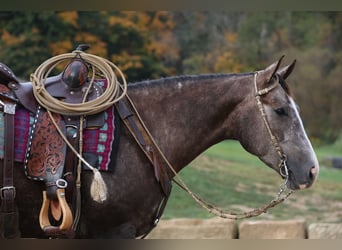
point(280, 197)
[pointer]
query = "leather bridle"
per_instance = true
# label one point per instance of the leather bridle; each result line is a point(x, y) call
point(283, 169)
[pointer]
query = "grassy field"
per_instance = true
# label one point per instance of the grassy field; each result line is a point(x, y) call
point(229, 177)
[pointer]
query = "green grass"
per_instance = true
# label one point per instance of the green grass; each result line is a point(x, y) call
point(229, 177)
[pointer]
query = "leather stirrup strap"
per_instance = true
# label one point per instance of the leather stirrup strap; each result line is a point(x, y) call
point(54, 198)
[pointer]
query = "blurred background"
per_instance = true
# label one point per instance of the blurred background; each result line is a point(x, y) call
point(150, 45)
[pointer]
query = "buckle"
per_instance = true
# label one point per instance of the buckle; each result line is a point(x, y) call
point(7, 188)
point(61, 183)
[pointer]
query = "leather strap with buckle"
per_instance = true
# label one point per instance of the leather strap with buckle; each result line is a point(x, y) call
point(9, 215)
point(7, 191)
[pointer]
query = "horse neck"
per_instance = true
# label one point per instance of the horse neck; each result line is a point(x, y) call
point(187, 115)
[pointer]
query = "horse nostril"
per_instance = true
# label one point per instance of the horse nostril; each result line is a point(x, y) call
point(313, 174)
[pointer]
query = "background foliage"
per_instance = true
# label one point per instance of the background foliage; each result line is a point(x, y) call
point(148, 45)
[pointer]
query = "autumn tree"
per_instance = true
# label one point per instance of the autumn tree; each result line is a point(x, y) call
point(29, 38)
point(25, 39)
point(153, 44)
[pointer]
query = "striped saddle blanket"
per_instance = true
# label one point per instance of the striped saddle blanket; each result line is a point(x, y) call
point(97, 141)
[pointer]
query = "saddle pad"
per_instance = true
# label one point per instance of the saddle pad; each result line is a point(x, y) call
point(100, 141)
point(96, 141)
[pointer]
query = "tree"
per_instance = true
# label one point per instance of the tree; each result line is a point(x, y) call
point(204, 39)
point(29, 38)
point(153, 44)
point(26, 37)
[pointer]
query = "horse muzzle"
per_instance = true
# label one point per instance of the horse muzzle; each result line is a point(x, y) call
point(306, 180)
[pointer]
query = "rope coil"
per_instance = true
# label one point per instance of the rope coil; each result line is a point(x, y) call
point(110, 96)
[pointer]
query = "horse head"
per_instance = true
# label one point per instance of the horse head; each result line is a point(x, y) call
point(272, 129)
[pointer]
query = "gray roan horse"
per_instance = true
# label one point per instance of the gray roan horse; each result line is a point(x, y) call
point(186, 115)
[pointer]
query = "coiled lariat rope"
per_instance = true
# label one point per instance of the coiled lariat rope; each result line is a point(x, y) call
point(112, 94)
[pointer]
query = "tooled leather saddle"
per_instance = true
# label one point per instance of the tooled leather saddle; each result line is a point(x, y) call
point(47, 157)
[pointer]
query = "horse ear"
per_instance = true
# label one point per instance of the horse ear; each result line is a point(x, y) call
point(286, 71)
point(271, 70)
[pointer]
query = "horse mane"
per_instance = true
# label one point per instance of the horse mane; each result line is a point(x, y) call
point(185, 78)
point(192, 78)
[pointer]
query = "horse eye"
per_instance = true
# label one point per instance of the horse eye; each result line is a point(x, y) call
point(280, 111)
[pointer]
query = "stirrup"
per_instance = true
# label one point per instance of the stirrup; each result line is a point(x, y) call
point(44, 220)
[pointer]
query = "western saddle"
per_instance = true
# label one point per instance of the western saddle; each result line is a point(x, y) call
point(54, 162)
point(47, 158)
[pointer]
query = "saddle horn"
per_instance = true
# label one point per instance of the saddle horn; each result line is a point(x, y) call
point(83, 47)
point(75, 74)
